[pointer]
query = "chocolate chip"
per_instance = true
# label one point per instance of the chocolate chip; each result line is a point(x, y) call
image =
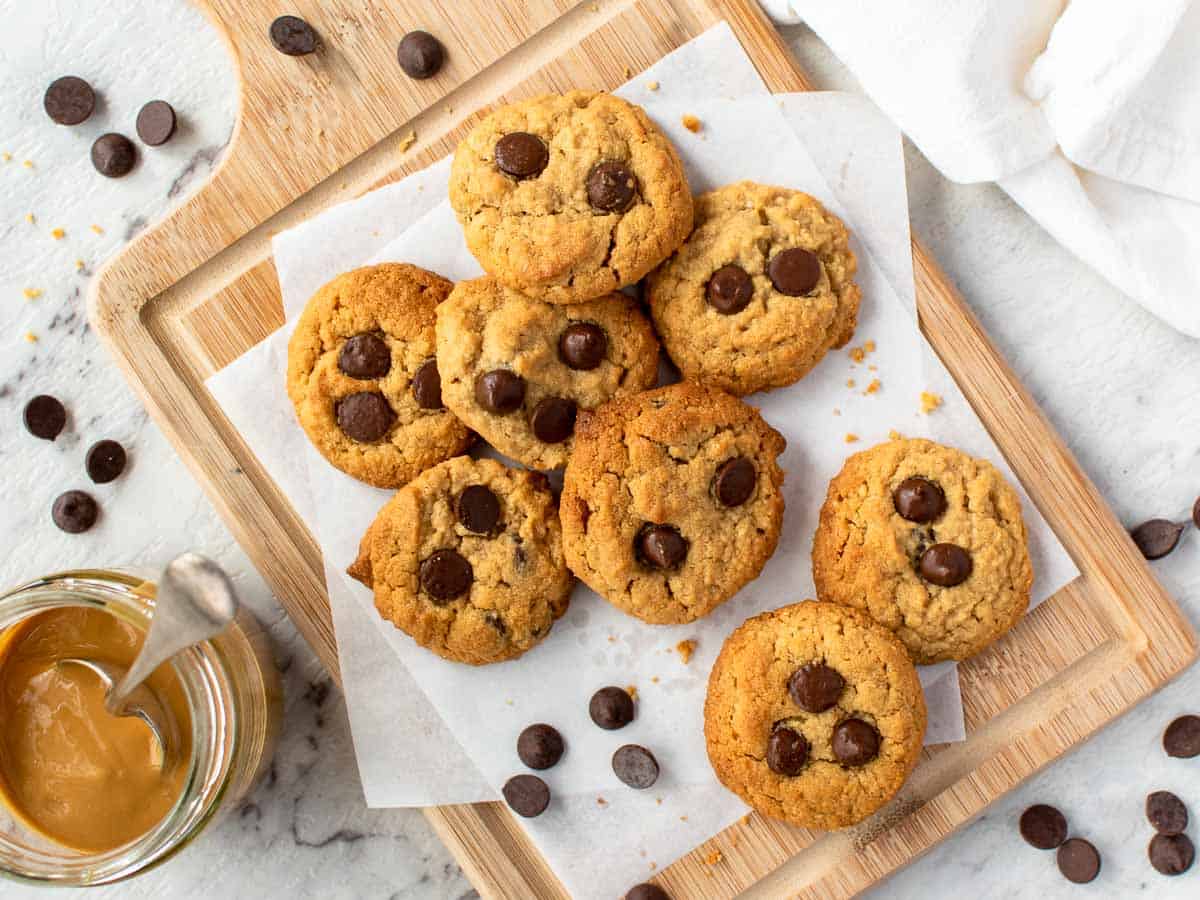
point(1182, 737)
point(945, 565)
point(521, 154)
point(75, 512)
point(734, 482)
point(582, 346)
point(611, 187)
point(636, 766)
point(730, 290)
point(794, 272)
point(105, 461)
point(1079, 861)
point(45, 417)
point(156, 123)
point(526, 795)
point(661, 546)
point(816, 687)
point(500, 391)
point(1043, 826)
point(611, 708)
point(478, 509)
point(1196, 513)
point(114, 155)
point(427, 385)
point(293, 36)
point(69, 100)
point(446, 575)
point(540, 746)
point(365, 356)
point(1171, 854)
point(1166, 812)
point(364, 417)
point(647, 891)
point(919, 499)
point(420, 54)
point(787, 751)
point(855, 742)
point(1157, 537)
point(553, 420)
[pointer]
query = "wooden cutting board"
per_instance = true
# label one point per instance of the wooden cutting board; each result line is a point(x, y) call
point(198, 290)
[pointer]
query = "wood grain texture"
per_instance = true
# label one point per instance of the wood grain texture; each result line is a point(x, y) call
point(199, 289)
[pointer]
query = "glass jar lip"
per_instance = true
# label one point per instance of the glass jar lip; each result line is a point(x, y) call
point(202, 672)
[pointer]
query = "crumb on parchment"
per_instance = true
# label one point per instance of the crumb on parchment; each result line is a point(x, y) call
point(851, 438)
point(683, 818)
point(691, 123)
point(32, 293)
point(600, 801)
point(57, 233)
point(930, 402)
point(850, 382)
point(30, 337)
point(6, 156)
point(79, 264)
point(652, 86)
point(857, 354)
point(873, 387)
point(685, 649)
point(27, 163)
point(654, 679)
point(894, 435)
point(97, 229)
point(631, 690)
point(30, 218)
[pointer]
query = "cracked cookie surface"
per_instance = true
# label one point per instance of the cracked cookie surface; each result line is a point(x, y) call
point(810, 767)
point(467, 560)
point(869, 555)
point(567, 197)
point(362, 376)
point(672, 501)
point(565, 359)
point(759, 292)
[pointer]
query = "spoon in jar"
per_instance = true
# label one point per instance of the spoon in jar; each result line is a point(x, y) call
point(194, 601)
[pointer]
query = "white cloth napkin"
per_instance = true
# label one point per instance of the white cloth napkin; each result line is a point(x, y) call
point(1087, 114)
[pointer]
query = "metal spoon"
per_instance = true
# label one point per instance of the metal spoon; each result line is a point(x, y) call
point(194, 602)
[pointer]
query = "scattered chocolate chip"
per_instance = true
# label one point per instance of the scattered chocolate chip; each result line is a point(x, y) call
point(1043, 826)
point(446, 575)
point(156, 123)
point(787, 751)
point(500, 391)
point(582, 346)
point(478, 509)
point(420, 54)
point(636, 766)
point(945, 565)
point(1166, 812)
point(521, 154)
point(105, 461)
point(1157, 537)
point(794, 272)
point(540, 746)
point(816, 687)
point(553, 420)
point(855, 742)
point(1079, 861)
point(114, 155)
point(611, 187)
point(75, 512)
point(427, 385)
point(69, 100)
point(730, 290)
point(611, 708)
point(1182, 737)
point(734, 482)
point(364, 417)
point(1171, 854)
point(365, 356)
point(661, 546)
point(293, 36)
point(919, 500)
point(647, 891)
point(526, 795)
point(45, 417)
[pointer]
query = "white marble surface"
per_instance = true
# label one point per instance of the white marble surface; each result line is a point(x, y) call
point(1118, 385)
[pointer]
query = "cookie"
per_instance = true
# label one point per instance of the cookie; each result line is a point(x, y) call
point(519, 370)
point(363, 378)
point(930, 542)
point(672, 501)
point(567, 197)
point(467, 560)
point(814, 715)
point(759, 292)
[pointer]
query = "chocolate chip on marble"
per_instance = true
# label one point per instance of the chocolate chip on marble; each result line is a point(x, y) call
point(816, 687)
point(75, 512)
point(114, 155)
point(611, 186)
point(582, 346)
point(155, 123)
point(919, 499)
point(365, 356)
point(446, 575)
point(734, 482)
point(45, 417)
point(647, 891)
point(69, 100)
point(365, 417)
point(787, 751)
point(420, 54)
point(427, 385)
point(636, 766)
point(500, 391)
point(945, 565)
point(1043, 826)
point(553, 419)
point(794, 272)
point(293, 36)
point(1182, 737)
point(1166, 812)
point(661, 546)
point(1156, 537)
point(526, 795)
point(729, 290)
point(611, 708)
point(1171, 854)
point(521, 154)
point(478, 509)
point(855, 742)
point(1078, 861)
point(105, 461)
point(540, 746)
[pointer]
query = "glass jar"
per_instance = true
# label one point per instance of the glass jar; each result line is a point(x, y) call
point(234, 698)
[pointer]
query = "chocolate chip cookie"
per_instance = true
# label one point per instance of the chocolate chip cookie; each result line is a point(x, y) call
point(814, 715)
point(930, 542)
point(363, 378)
point(567, 197)
point(759, 292)
point(671, 501)
point(519, 370)
point(467, 560)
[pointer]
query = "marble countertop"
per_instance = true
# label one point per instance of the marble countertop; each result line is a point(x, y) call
point(1118, 384)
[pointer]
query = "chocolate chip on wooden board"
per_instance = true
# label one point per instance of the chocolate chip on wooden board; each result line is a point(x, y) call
point(1166, 812)
point(526, 795)
point(114, 155)
point(1079, 861)
point(1043, 826)
point(45, 417)
point(69, 100)
point(1182, 737)
point(74, 512)
point(1157, 537)
point(293, 36)
point(420, 54)
point(155, 123)
point(1171, 854)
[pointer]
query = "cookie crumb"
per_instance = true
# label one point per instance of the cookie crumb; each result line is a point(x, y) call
point(6, 156)
point(600, 801)
point(930, 402)
point(631, 690)
point(894, 435)
point(79, 264)
point(654, 679)
point(745, 820)
point(32, 293)
point(57, 233)
point(97, 229)
point(836, 411)
point(27, 163)
point(407, 140)
point(30, 337)
point(851, 438)
point(691, 123)
point(872, 368)
point(683, 818)
point(628, 73)
point(873, 387)
point(658, 800)
point(612, 639)
point(685, 649)
point(715, 857)
point(869, 346)
point(29, 217)
point(857, 354)
point(653, 865)
point(652, 86)
point(850, 382)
